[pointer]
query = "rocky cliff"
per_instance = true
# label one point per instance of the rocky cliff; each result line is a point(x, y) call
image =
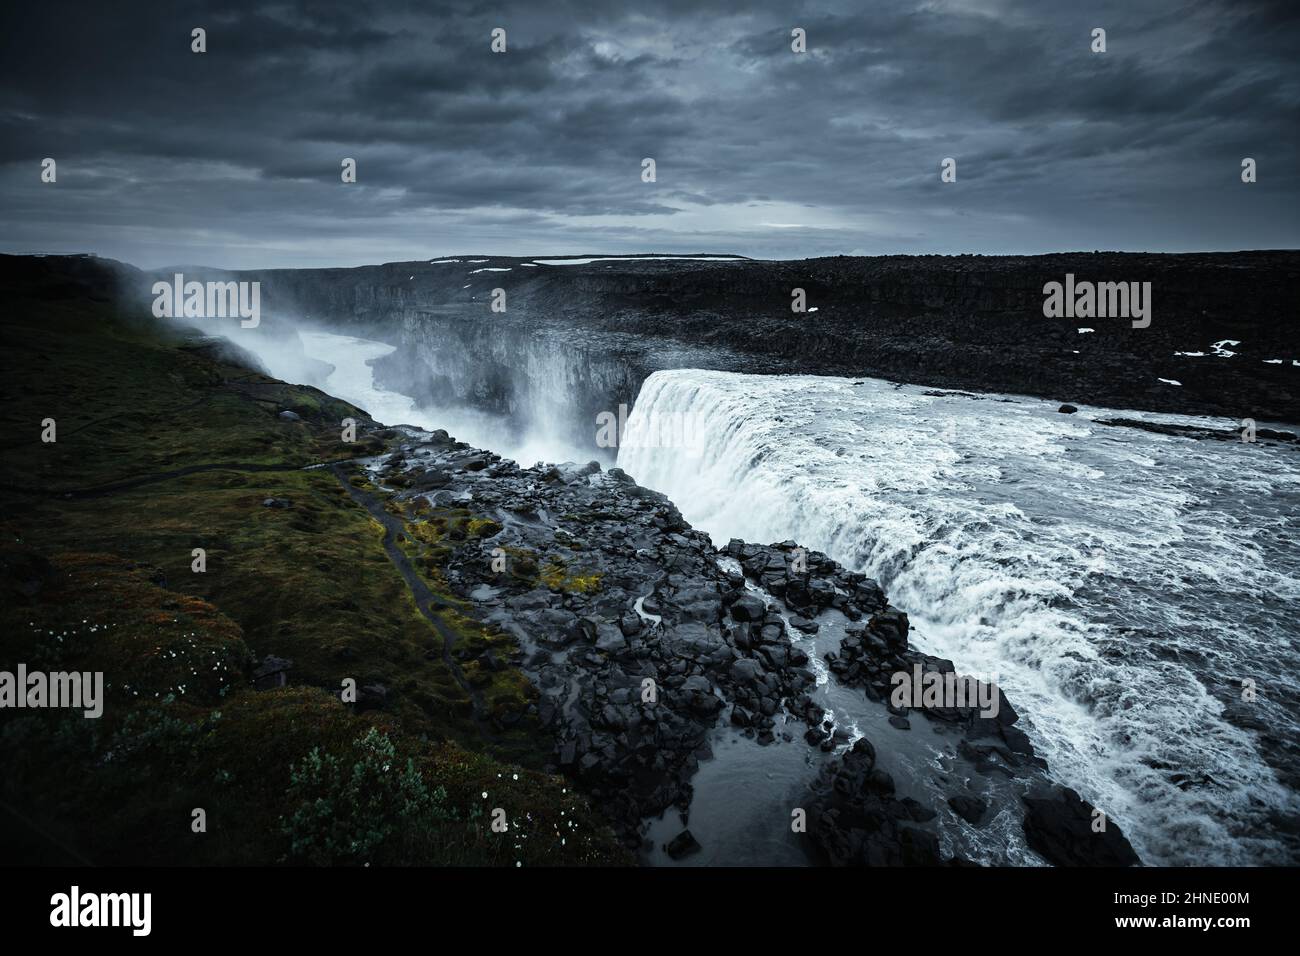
point(648, 648)
point(575, 339)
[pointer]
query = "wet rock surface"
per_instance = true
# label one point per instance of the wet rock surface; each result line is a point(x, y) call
point(645, 643)
point(1263, 435)
point(638, 642)
point(1067, 831)
point(860, 821)
point(875, 651)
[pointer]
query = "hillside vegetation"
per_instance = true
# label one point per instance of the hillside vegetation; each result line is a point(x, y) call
point(167, 442)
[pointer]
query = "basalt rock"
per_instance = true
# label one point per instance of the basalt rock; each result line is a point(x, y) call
point(682, 845)
point(643, 641)
point(273, 672)
point(858, 821)
point(970, 809)
point(1063, 828)
point(876, 656)
point(633, 634)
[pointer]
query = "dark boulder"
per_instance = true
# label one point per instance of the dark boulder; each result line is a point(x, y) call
point(684, 844)
point(271, 673)
point(970, 809)
point(748, 607)
point(1059, 826)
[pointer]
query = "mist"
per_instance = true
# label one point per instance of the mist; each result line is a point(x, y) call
point(342, 365)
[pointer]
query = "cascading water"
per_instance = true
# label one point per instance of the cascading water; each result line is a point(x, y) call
point(352, 378)
point(1121, 584)
point(549, 388)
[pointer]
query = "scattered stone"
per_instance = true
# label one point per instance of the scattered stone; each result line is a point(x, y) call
point(372, 697)
point(684, 844)
point(273, 672)
point(748, 607)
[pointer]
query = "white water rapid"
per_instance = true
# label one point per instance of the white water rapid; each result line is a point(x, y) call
point(1122, 584)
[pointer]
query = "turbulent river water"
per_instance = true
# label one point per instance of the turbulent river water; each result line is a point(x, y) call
point(1121, 584)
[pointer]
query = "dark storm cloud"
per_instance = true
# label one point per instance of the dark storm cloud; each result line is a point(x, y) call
point(233, 157)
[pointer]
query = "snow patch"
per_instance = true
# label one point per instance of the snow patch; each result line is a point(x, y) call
point(583, 262)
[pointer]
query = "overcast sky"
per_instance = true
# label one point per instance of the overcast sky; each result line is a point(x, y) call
point(232, 157)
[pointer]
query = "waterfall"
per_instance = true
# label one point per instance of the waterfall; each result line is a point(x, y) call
point(549, 389)
point(1120, 582)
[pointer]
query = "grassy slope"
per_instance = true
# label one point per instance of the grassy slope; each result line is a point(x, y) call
point(310, 583)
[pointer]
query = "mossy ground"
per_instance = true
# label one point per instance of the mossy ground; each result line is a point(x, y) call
point(106, 583)
point(557, 576)
point(430, 532)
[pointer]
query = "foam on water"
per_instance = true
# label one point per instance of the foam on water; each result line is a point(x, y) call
point(1121, 583)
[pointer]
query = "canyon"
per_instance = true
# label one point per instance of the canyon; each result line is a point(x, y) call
point(934, 361)
point(580, 335)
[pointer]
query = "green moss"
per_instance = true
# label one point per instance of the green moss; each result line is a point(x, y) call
point(127, 405)
point(106, 583)
point(556, 576)
point(228, 748)
point(483, 528)
point(308, 404)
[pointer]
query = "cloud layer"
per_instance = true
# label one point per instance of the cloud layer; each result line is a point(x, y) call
point(232, 157)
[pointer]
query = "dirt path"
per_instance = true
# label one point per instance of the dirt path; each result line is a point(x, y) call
point(424, 598)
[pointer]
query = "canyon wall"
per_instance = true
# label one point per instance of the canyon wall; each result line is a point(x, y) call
point(579, 338)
